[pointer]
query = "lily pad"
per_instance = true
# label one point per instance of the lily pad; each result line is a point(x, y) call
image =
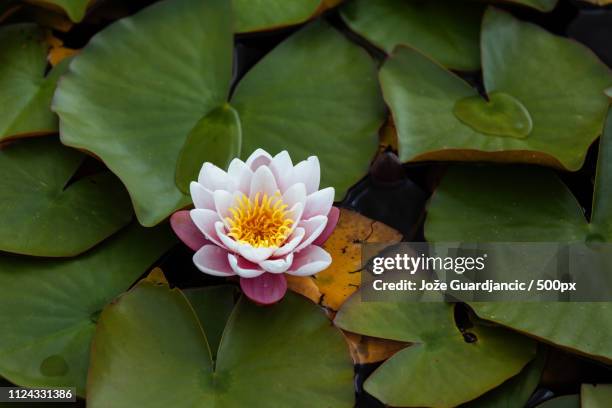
point(595, 396)
point(503, 204)
point(432, 371)
point(44, 213)
point(136, 115)
point(25, 91)
point(265, 358)
point(446, 30)
point(565, 401)
point(52, 306)
point(75, 9)
point(217, 136)
point(262, 15)
point(558, 82)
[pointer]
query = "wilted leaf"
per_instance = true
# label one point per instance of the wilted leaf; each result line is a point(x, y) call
point(289, 100)
point(52, 306)
point(446, 30)
point(366, 349)
point(343, 277)
point(433, 371)
point(265, 358)
point(43, 212)
point(25, 91)
point(557, 82)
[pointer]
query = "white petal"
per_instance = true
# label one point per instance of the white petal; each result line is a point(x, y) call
point(227, 241)
point(241, 174)
point(263, 182)
point(258, 158)
point(257, 255)
point(279, 265)
point(309, 173)
point(282, 167)
point(295, 213)
point(319, 203)
point(291, 243)
point(311, 260)
point(313, 227)
point(213, 178)
point(205, 221)
point(295, 194)
point(201, 196)
point(223, 202)
point(212, 260)
point(243, 267)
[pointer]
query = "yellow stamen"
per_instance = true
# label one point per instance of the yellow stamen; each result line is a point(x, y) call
point(261, 222)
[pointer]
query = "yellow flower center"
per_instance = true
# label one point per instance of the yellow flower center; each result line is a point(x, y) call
point(261, 222)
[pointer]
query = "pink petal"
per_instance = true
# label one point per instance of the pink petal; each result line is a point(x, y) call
point(213, 178)
point(212, 260)
point(263, 182)
point(310, 260)
point(201, 196)
point(241, 174)
point(266, 289)
point(253, 254)
point(205, 221)
point(332, 220)
point(243, 267)
point(258, 158)
point(319, 203)
point(295, 194)
point(186, 230)
point(313, 228)
point(309, 173)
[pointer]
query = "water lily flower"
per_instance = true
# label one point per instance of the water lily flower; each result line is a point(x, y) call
point(259, 220)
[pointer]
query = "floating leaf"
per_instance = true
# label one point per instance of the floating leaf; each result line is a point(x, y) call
point(516, 391)
point(75, 9)
point(432, 372)
point(265, 358)
point(343, 277)
point(271, 14)
point(367, 350)
point(595, 396)
point(530, 205)
point(44, 213)
point(566, 401)
point(52, 306)
point(559, 83)
point(136, 116)
point(217, 137)
point(25, 91)
point(446, 30)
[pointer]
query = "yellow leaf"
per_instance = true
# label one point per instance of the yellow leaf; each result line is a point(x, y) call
point(366, 350)
point(331, 287)
point(157, 277)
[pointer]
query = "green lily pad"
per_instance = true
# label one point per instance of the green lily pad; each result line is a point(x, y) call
point(135, 114)
point(216, 137)
point(25, 91)
point(446, 30)
point(559, 82)
point(150, 347)
point(504, 204)
point(262, 15)
point(43, 213)
point(566, 401)
point(291, 101)
point(595, 396)
point(516, 391)
point(432, 371)
point(213, 306)
point(499, 115)
point(75, 9)
point(51, 306)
